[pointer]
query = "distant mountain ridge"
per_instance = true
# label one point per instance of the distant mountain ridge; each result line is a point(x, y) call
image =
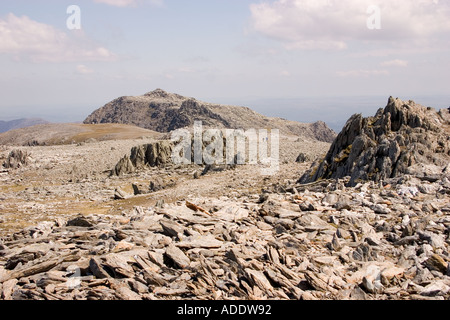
point(20, 123)
point(164, 112)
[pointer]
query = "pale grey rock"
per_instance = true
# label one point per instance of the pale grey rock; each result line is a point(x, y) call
point(177, 256)
point(124, 166)
point(17, 159)
point(398, 140)
point(436, 288)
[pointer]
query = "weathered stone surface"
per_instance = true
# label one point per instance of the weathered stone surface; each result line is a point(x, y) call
point(241, 252)
point(164, 112)
point(302, 157)
point(119, 194)
point(398, 140)
point(97, 270)
point(124, 166)
point(438, 288)
point(80, 221)
point(150, 155)
point(16, 159)
point(436, 262)
point(229, 235)
point(177, 256)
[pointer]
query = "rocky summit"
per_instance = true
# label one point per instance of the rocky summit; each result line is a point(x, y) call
point(403, 139)
point(369, 220)
point(164, 112)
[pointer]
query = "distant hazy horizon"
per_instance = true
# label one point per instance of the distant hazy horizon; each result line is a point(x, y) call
point(61, 60)
point(334, 111)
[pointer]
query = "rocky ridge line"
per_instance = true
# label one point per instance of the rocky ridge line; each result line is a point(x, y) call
point(164, 112)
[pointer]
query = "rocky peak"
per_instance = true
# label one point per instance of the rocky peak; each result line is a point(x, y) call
point(398, 114)
point(157, 93)
point(161, 94)
point(163, 112)
point(400, 139)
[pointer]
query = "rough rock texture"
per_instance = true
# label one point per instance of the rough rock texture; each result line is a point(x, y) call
point(57, 175)
point(70, 231)
point(158, 154)
point(148, 155)
point(124, 166)
point(16, 159)
point(163, 112)
point(153, 155)
point(404, 138)
point(302, 157)
point(383, 244)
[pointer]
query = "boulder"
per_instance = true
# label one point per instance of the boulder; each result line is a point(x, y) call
point(302, 157)
point(124, 166)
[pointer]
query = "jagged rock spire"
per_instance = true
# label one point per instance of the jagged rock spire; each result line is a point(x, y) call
point(397, 139)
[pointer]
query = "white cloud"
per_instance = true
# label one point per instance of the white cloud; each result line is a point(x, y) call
point(130, 3)
point(82, 69)
point(333, 24)
point(394, 63)
point(362, 73)
point(26, 39)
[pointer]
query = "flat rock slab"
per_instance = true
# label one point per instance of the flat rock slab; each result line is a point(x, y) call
point(231, 213)
point(207, 242)
point(177, 256)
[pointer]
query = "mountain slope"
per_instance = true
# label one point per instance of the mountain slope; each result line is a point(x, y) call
point(20, 123)
point(68, 133)
point(163, 112)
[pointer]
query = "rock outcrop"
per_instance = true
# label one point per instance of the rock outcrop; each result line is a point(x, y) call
point(16, 159)
point(159, 154)
point(124, 166)
point(154, 154)
point(148, 155)
point(164, 112)
point(404, 138)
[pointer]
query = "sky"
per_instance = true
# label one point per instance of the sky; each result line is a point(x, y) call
point(304, 60)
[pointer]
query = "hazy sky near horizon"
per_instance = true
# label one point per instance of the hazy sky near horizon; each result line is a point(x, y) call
point(220, 51)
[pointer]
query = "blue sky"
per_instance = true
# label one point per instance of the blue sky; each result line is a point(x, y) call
point(299, 59)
